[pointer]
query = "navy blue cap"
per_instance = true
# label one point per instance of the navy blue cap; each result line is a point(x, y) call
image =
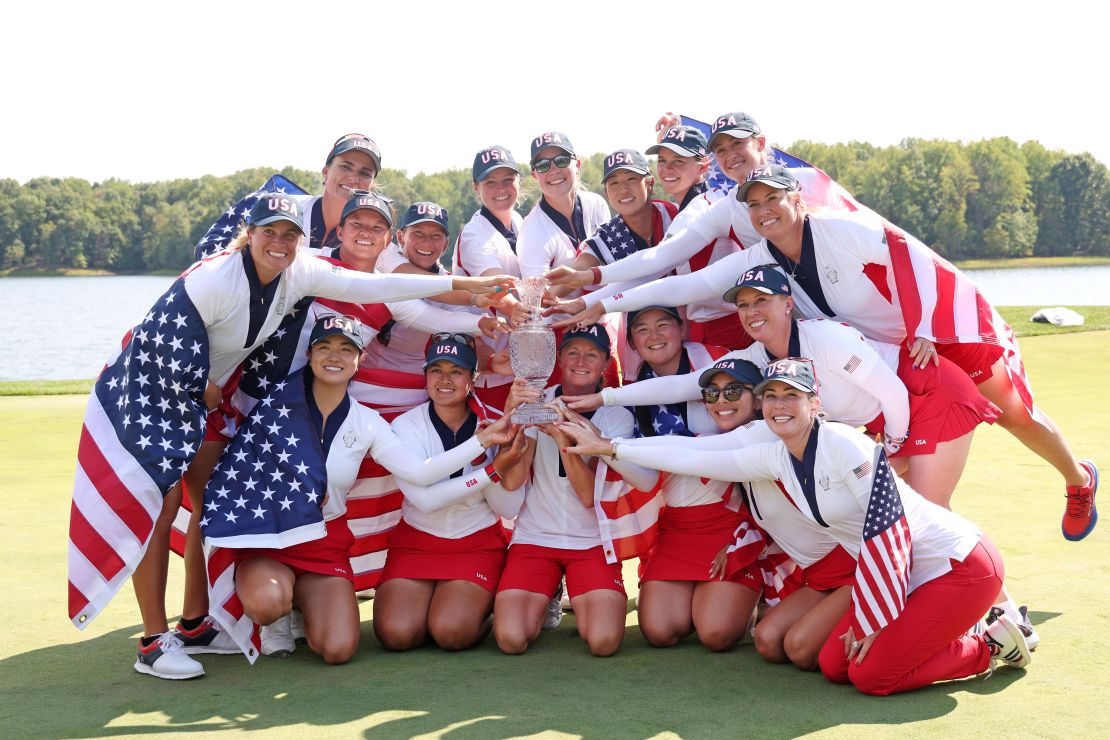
point(271, 207)
point(490, 159)
point(738, 369)
point(595, 333)
point(686, 141)
point(765, 278)
point(556, 139)
point(425, 210)
point(794, 371)
point(356, 142)
point(625, 159)
point(346, 326)
point(364, 200)
point(738, 125)
point(774, 175)
point(453, 349)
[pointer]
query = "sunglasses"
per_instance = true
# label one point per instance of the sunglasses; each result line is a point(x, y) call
point(732, 392)
point(561, 161)
point(447, 336)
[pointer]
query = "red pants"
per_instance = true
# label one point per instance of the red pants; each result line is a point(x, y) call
point(928, 642)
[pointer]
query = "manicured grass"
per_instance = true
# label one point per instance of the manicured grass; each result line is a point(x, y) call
point(45, 387)
point(58, 682)
point(1006, 264)
point(1096, 318)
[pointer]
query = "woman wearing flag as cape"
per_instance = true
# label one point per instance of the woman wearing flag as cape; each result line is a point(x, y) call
point(275, 507)
point(857, 268)
point(152, 419)
point(446, 555)
point(907, 627)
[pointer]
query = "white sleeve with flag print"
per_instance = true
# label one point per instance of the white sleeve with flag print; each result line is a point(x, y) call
point(312, 276)
point(848, 359)
point(677, 290)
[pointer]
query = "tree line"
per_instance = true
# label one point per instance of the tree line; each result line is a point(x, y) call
point(985, 199)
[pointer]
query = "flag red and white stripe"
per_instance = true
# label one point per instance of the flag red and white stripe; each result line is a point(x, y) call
point(886, 555)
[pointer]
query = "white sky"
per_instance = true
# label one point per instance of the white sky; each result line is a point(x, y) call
point(146, 91)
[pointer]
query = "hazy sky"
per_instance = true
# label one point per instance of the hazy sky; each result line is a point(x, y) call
point(153, 90)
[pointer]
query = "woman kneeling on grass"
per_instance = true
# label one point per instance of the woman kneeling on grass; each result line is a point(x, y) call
point(305, 562)
point(906, 628)
point(446, 555)
point(557, 532)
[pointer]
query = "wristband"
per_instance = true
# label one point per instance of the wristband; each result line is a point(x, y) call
point(596, 271)
point(473, 299)
point(494, 476)
point(615, 442)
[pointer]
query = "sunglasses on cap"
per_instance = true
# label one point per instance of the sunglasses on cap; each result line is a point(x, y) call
point(447, 336)
point(562, 161)
point(732, 392)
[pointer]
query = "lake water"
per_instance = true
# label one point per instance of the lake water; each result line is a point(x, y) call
point(62, 328)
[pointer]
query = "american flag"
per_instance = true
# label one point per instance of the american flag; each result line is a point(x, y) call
point(753, 547)
point(268, 487)
point(885, 558)
point(144, 423)
point(266, 491)
point(615, 238)
point(223, 231)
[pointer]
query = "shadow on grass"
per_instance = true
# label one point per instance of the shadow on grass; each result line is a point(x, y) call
point(88, 689)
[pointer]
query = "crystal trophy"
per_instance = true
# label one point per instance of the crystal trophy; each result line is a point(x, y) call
point(532, 352)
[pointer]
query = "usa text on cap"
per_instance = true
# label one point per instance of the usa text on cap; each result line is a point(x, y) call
point(737, 369)
point(765, 279)
point(625, 159)
point(453, 349)
point(346, 326)
point(356, 142)
point(556, 139)
point(738, 125)
point(425, 211)
point(595, 334)
point(685, 141)
point(772, 175)
point(794, 371)
point(370, 202)
point(490, 159)
point(271, 207)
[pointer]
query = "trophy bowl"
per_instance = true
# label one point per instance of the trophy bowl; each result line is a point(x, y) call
point(532, 352)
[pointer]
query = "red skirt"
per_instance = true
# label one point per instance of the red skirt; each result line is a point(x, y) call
point(478, 558)
point(974, 359)
point(836, 569)
point(689, 538)
point(327, 556)
point(944, 405)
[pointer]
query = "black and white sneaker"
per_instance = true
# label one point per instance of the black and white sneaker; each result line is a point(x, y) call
point(165, 658)
point(1007, 643)
point(207, 637)
point(1032, 639)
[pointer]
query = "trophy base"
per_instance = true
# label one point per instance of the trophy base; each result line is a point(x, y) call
point(534, 413)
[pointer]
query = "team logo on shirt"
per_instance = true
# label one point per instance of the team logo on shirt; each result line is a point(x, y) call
point(832, 275)
point(350, 438)
point(824, 481)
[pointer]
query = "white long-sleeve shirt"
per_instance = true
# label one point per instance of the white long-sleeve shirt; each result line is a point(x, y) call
point(542, 245)
point(842, 477)
point(552, 515)
point(221, 291)
point(452, 507)
point(858, 377)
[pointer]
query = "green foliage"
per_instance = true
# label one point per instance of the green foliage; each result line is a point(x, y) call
point(982, 200)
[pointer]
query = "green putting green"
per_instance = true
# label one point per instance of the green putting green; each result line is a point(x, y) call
point(58, 682)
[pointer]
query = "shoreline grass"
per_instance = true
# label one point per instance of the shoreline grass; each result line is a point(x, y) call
point(1097, 319)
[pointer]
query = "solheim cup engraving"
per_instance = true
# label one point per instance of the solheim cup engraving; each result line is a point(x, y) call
point(532, 351)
